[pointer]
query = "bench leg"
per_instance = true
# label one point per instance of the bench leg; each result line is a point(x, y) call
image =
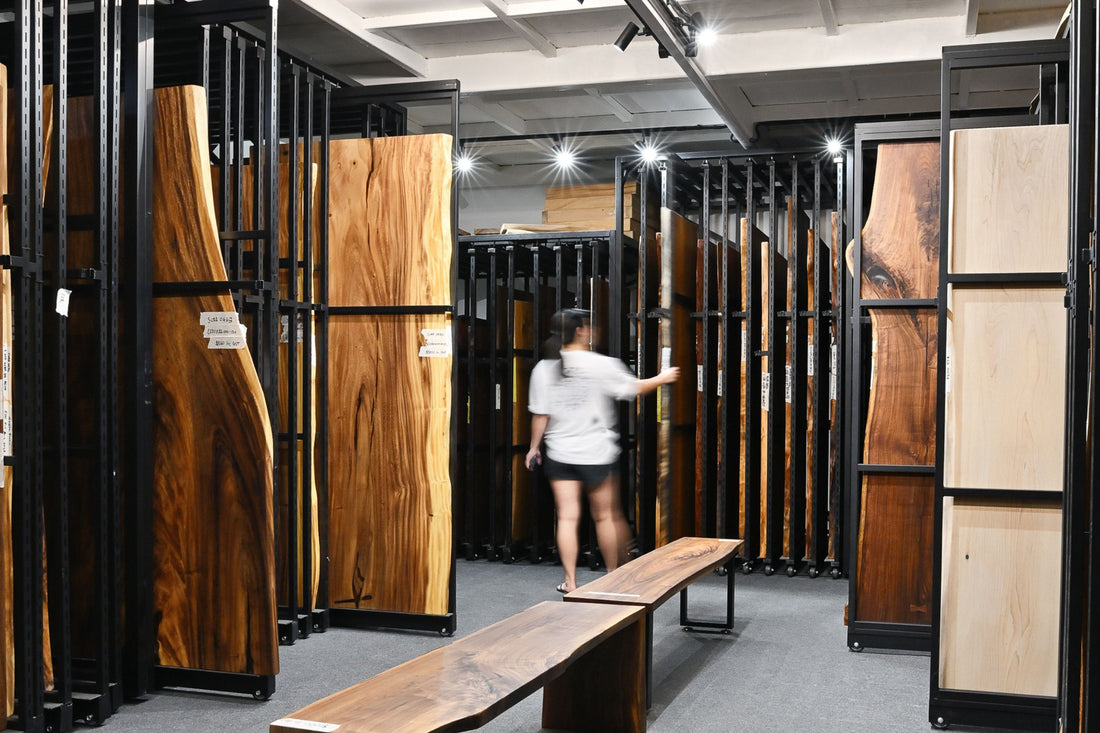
point(724, 627)
point(604, 690)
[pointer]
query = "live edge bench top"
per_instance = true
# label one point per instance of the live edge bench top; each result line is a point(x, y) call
point(468, 682)
point(653, 578)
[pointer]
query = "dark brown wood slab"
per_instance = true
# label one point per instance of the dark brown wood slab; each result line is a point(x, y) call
point(651, 579)
point(7, 618)
point(470, 681)
point(900, 259)
point(753, 245)
point(214, 585)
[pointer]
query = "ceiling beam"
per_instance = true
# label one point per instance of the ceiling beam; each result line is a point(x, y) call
point(522, 28)
point(340, 16)
point(828, 17)
point(972, 9)
point(510, 121)
point(736, 112)
point(474, 13)
point(612, 104)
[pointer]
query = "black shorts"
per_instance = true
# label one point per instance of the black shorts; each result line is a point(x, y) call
point(588, 475)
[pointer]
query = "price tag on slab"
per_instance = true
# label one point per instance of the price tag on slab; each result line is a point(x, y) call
point(208, 317)
point(810, 360)
point(788, 384)
point(744, 344)
point(437, 343)
point(699, 378)
point(666, 357)
point(765, 390)
point(719, 382)
point(227, 343)
point(62, 304)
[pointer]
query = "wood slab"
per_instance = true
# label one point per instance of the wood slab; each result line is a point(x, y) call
point(7, 614)
point(835, 429)
point(653, 578)
point(770, 342)
point(676, 412)
point(214, 584)
point(470, 681)
point(900, 259)
point(389, 407)
point(706, 405)
point(729, 378)
point(999, 619)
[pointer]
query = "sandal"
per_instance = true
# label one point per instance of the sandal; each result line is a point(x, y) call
point(560, 588)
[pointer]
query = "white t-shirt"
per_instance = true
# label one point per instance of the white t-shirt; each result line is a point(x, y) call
point(581, 429)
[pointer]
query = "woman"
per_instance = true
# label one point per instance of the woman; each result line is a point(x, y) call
point(570, 400)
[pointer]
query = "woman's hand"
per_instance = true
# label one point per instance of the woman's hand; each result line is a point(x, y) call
point(534, 458)
point(669, 375)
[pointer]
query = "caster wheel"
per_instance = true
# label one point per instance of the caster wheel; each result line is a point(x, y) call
point(812, 572)
point(260, 695)
point(855, 646)
point(791, 570)
point(746, 569)
point(687, 629)
point(769, 570)
point(835, 573)
point(721, 572)
point(445, 632)
point(727, 632)
point(939, 724)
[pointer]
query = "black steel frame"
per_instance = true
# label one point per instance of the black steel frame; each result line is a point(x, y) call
point(863, 634)
point(946, 707)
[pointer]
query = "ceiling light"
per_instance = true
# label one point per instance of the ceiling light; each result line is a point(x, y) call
point(564, 158)
point(649, 153)
point(834, 147)
point(626, 36)
point(706, 36)
point(464, 163)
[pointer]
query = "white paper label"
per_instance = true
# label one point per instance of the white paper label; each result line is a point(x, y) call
point(313, 349)
point(832, 386)
point(227, 342)
point(666, 358)
point(62, 305)
point(306, 725)
point(833, 360)
point(435, 352)
point(699, 378)
point(810, 360)
point(947, 371)
point(498, 397)
point(5, 366)
point(436, 336)
point(208, 317)
point(284, 331)
point(744, 344)
point(765, 390)
point(719, 382)
point(215, 330)
point(788, 384)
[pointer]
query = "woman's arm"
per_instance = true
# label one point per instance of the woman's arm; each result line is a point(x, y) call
point(668, 375)
point(538, 429)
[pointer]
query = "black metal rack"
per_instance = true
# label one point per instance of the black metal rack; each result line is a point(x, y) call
point(947, 707)
point(863, 634)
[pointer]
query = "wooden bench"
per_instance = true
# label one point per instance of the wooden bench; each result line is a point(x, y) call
point(589, 657)
point(653, 578)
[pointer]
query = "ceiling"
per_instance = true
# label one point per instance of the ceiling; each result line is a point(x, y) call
point(534, 71)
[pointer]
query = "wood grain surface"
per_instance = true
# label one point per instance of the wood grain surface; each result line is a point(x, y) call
point(656, 576)
point(470, 681)
point(770, 342)
point(812, 328)
point(706, 331)
point(999, 620)
point(214, 585)
point(1010, 186)
point(835, 428)
point(676, 414)
point(389, 408)
point(753, 244)
point(728, 384)
point(900, 259)
point(7, 617)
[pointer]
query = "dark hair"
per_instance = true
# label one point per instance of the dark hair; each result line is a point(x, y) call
point(563, 331)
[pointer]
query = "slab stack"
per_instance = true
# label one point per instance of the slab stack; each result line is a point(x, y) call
point(592, 207)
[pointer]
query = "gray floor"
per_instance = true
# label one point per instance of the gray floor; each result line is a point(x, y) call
point(785, 668)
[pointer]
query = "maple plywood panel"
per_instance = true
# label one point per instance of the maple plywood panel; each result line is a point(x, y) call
point(1009, 194)
point(1000, 597)
point(1005, 411)
point(389, 454)
point(676, 412)
point(389, 210)
point(214, 583)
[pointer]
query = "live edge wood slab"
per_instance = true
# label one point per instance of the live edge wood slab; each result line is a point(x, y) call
point(588, 656)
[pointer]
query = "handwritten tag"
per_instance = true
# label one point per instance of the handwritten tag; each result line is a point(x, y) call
point(62, 304)
point(208, 317)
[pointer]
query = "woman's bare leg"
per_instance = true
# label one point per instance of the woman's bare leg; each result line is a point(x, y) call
point(567, 505)
point(612, 531)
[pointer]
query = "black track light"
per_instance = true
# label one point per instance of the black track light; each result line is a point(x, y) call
point(626, 36)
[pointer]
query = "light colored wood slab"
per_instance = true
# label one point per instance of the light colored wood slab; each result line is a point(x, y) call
point(389, 408)
point(835, 429)
point(656, 576)
point(1006, 342)
point(1010, 185)
point(214, 585)
point(1001, 591)
point(470, 681)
